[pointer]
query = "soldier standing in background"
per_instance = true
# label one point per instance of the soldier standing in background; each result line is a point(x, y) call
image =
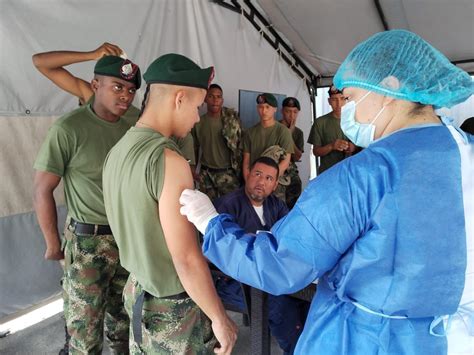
point(217, 140)
point(329, 142)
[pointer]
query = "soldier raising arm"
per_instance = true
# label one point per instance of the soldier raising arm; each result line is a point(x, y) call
point(51, 65)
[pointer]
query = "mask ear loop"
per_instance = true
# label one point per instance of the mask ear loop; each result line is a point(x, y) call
point(378, 115)
point(363, 97)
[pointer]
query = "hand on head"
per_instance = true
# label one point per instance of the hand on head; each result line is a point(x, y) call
point(108, 49)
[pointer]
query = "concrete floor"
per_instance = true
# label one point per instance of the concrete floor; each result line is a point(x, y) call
point(47, 337)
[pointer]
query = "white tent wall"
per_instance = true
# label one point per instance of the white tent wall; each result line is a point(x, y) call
point(29, 103)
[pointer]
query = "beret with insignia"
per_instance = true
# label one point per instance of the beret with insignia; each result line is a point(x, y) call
point(118, 67)
point(291, 102)
point(267, 98)
point(176, 69)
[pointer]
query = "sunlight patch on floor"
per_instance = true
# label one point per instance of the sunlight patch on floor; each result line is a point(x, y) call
point(31, 318)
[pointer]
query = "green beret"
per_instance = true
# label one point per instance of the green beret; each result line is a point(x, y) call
point(176, 69)
point(118, 67)
point(267, 98)
point(291, 102)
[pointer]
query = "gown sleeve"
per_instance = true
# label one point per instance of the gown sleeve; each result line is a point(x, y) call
point(302, 246)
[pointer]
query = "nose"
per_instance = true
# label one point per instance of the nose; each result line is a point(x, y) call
point(126, 96)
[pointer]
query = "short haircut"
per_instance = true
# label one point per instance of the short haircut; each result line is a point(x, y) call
point(333, 91)
point(267, 161)
point(215, 86)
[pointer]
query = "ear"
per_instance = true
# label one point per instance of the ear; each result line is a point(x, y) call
point(178, 99)
point(94, 85)
point(276, 184)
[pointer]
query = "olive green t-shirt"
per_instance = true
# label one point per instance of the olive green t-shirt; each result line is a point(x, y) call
point(75, 149)
point(133, 181)
point(325, 130)
point(207, 134)
point(258, 138)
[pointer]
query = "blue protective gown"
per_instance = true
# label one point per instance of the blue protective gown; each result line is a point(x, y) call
point(385, 229)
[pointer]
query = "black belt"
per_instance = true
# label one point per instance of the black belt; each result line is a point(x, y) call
point(91, 229)
point(214, 170)
point(137, 310)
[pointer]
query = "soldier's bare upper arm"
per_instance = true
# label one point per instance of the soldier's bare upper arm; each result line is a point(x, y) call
point(180, 235)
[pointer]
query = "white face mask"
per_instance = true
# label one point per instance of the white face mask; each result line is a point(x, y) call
point(361, 134)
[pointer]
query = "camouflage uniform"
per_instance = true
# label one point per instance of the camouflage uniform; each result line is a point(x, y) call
point(293, 190)
point(169, 326)
point(65, 349)
point(219, 182)
point(93, 285)
point(277, 153)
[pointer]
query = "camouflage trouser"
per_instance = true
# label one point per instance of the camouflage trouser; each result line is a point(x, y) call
point(93, 284)
point(218, 183)
point(64, 293)
point(169, 326)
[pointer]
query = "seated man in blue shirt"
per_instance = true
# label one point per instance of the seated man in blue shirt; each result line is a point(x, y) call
point(255, 208)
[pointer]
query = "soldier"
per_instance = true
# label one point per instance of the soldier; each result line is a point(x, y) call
point(169, 296)
point(268, 132)
point(290, 111)
point(328, 140)
point(217, 139)
point(75, 149)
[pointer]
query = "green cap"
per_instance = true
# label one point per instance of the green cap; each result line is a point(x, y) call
point(267, 98)
point(176, 69)
point(118, 67)
point(291, 102)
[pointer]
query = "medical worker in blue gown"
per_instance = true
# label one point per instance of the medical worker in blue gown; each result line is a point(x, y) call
point(388, 232)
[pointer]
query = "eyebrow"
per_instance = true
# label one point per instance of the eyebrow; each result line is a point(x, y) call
point(123, 84)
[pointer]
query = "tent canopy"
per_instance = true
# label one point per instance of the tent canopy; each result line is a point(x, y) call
point(323, 32)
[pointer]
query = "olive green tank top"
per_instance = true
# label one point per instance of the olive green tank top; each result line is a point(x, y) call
point(133, 180)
